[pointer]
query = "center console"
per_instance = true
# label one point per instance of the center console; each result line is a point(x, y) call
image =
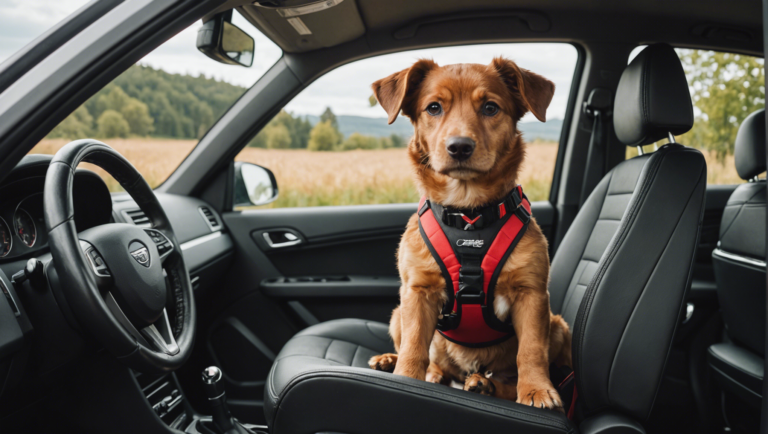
point(166, 398)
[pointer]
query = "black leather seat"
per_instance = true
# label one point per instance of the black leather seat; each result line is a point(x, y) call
point(619, 278)
point(739, 262)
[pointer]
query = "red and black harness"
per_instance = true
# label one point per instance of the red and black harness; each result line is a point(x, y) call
point(471, 251)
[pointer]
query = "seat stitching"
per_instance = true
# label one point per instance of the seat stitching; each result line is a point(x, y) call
point(581, 255)
point(328, 348)
point(354, 355)
point(617, 239)
point(645, 286)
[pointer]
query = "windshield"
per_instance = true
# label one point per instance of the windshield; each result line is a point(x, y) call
point(156, 111)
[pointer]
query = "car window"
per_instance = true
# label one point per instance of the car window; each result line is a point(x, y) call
point(331, 145)
point(725, 89)
point(156, 111)
point(21, 21)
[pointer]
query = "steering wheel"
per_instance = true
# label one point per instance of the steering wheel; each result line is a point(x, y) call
point(121, 280)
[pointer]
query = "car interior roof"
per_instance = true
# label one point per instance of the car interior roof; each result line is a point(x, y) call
point(387, 25)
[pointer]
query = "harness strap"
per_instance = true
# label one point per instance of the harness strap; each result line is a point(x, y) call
point(468, 317)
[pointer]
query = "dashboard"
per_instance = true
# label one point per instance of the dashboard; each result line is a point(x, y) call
point(22, 220)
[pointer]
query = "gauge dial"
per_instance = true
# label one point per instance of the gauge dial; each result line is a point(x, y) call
point(6, 238)
point(25, 227)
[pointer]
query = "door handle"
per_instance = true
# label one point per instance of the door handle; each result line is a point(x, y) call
point(281, 238)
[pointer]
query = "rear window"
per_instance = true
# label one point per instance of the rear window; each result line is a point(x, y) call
point(725, 89)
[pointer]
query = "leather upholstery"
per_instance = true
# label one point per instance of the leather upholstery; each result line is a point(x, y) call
point(652, 98)
point(740, 276)
point(742, 228)
point(627, 318)
point(738, 370)
point(749, 148)
point(628, 255)
point(320, 382)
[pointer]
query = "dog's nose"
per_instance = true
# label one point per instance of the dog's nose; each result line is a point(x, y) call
point(459, 148)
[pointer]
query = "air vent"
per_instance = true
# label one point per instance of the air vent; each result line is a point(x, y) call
point(210, 218)
point(137, 217)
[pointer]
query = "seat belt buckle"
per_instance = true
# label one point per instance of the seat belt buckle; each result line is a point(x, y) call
point(470, 289)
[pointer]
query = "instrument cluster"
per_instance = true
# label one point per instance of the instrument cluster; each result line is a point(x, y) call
point(22, 216)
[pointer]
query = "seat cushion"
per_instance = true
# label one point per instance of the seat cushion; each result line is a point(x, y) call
point(320, 382)
point(738, 370)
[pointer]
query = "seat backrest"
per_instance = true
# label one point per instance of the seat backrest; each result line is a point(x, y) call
point(621, 272)
point(739, 259)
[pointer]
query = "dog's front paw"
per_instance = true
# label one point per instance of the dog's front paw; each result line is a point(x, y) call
point(541, 397)
point(383, 362)
point(477, 383)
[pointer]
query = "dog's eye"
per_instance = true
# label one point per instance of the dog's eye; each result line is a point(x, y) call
point(434, 108)
point(490, 109)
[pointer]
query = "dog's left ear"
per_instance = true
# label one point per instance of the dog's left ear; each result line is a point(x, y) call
point(394, 92)
point(533, 90)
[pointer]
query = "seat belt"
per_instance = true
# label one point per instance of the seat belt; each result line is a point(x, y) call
point(597, 108)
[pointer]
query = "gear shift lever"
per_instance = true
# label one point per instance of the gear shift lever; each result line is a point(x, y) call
point(222, 418)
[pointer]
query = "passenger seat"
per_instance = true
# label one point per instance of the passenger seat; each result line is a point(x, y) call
point(739, 262)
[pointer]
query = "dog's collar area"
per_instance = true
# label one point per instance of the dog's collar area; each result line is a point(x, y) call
point(484, 216)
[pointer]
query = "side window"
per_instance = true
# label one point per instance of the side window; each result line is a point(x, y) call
point(725, 89)
point(331, 145)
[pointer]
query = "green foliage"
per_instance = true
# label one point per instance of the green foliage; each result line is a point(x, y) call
point(725, 89)
point(329, 117)
point(136, 114)
point(154, 102)
point(278, 137)
point(77, 125)
point(298, 129)
point(112, 124)
point(398, 141)
point(359, 141)
point(323, 137)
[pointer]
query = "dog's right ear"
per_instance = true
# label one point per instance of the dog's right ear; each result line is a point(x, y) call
point(393, 92)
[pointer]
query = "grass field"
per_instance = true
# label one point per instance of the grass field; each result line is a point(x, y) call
point(307, 178)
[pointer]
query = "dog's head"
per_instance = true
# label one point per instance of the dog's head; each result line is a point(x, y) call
point(466, 147)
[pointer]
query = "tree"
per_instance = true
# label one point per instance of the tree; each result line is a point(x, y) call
point(328, 116)
point(112, 124)
point(398, 141)
point(136, 114)
point(358, 141)
point(725, 89)
point(323, 137)
point(78, 125)
point(278, 137)
point(114, 99)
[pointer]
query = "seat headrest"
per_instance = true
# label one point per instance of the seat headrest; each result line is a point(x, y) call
point(749, 151)
point(652, 98)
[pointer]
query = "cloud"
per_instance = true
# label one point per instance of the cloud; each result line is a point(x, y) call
point(345, 89)
point(21, 21)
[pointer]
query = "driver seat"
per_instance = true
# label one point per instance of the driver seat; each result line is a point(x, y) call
point(619, 278)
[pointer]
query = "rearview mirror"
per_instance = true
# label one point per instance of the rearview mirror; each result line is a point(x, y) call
point(224, 42)
point(254, 185)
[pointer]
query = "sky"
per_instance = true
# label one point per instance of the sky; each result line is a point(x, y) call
point(345, 89)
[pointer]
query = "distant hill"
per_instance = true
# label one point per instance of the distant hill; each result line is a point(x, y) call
point(549, 131)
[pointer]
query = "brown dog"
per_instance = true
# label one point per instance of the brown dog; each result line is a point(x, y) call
point(483, 103)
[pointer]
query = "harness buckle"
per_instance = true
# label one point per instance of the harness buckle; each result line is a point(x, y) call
point(523, 214)
point(470, 289)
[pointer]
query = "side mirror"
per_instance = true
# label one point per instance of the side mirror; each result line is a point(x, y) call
point(254, 185)
point(224, 42)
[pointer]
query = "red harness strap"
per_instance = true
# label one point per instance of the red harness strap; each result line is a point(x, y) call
point(473, 326)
